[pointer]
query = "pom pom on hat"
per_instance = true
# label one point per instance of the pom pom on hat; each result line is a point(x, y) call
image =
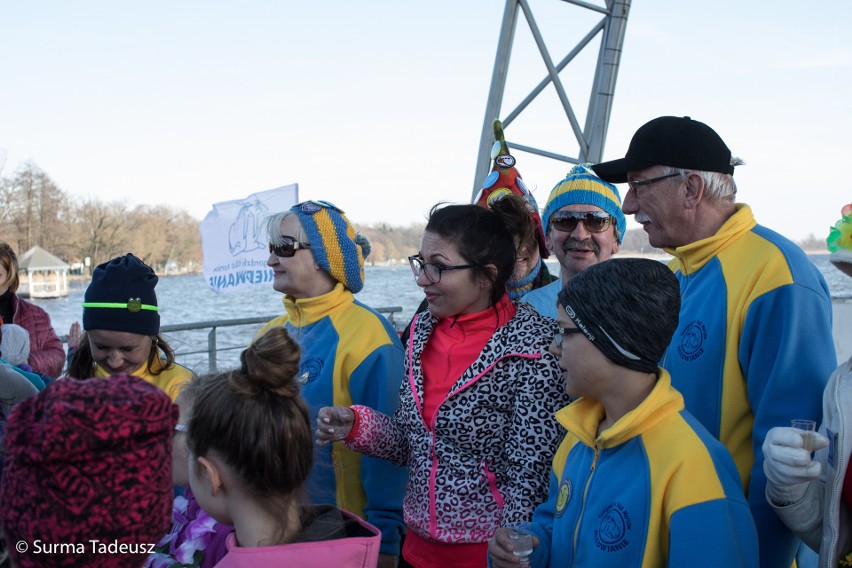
point(121, 297)
point(627, 307)
point(89, 459)
point(839, 241)
point(337, 247)
point(505, 179)
point(583, 186)
point(15, 346)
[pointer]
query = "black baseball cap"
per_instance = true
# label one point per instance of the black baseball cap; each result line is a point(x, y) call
point(675, 141)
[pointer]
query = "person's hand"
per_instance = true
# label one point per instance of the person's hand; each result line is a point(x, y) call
point(500, 550)
point(74, 334)
point(387, 561)
point(333, 423)
point(788, 465)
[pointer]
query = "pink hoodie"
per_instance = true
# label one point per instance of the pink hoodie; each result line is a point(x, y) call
point(358, 548)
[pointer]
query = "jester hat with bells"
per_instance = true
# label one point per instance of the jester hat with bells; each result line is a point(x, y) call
point(504, 179)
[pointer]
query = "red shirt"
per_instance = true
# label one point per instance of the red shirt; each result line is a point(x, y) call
point(422, 553)
point(454, 345)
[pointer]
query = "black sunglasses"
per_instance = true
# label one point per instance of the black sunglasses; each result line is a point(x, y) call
point(594, 221)
point(287, 248)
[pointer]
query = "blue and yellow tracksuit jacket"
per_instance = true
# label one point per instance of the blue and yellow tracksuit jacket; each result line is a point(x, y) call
point(170, 380)
point(753, 350)
point(655, 489)
point(350, 355)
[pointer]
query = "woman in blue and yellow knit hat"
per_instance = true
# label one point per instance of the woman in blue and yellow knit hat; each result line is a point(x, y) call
point(350, 355)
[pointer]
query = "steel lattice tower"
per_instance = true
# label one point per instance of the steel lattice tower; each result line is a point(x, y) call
point(591, 137)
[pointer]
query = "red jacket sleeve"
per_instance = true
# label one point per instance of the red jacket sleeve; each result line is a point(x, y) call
point(47, 355)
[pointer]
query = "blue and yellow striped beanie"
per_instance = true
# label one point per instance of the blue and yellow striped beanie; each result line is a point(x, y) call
point(338, 248)
point(581, 185)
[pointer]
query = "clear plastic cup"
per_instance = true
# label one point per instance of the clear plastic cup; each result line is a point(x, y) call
point(521, 537)
point(807, 428)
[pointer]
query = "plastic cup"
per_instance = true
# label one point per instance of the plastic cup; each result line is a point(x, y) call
point(807, 428)
point(521, 538)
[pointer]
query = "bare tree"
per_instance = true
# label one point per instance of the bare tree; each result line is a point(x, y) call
point(34, 207)
point(22, 204)
point(185, 240)
point(104, 234)
point(50, 209)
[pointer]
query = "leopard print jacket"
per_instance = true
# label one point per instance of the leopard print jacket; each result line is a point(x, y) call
point(485, 462)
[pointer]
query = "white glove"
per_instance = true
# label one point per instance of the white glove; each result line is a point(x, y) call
point(788, 465)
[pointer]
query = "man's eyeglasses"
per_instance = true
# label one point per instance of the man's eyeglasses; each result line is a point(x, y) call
point(635, 185)
point(287, 248)
point(563, 331)
point(594, 221)
point(432, 271)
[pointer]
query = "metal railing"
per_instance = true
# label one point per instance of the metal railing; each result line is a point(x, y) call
point(213, 347)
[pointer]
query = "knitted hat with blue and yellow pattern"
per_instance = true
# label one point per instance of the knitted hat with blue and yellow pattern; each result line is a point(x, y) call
point(582, 186)
point(338, 248)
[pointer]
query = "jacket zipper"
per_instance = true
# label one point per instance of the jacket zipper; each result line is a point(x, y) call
point(433, 508)
point(834, 502)
point(583, 507)
point(492, 485)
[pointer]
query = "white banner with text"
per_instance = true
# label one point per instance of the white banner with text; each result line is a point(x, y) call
point(234, 240)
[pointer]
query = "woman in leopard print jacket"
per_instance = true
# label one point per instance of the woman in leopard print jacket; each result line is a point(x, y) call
point(475, 420)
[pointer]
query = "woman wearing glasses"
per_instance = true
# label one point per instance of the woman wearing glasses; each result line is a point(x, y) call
point(475, 420)
point(350, 355)
point(503, 190)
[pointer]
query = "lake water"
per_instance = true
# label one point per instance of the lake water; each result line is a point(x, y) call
point(187, 299)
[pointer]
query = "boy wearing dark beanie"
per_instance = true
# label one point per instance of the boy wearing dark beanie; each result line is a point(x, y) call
point(637, 481)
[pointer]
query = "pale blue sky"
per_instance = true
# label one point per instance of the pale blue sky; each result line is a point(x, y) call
point(378, 106)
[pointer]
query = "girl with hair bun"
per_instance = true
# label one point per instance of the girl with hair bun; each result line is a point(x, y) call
point(250, 453)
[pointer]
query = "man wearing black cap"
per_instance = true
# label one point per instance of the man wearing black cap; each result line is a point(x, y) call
point(754, 346)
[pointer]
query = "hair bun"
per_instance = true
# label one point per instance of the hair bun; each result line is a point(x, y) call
point(271, 364)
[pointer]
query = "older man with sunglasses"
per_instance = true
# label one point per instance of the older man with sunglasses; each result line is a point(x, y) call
point(754, 346)
point(584, 226)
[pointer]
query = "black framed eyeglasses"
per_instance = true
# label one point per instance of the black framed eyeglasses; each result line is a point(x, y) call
point(563, 331)
point(635, 185)
point(287, 248)
point(432, 271)
point(594, 221)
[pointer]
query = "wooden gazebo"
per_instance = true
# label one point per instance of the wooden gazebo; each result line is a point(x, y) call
point(42, 275)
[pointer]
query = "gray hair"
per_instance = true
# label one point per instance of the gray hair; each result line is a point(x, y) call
point(718, 187)
point(273, 228)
